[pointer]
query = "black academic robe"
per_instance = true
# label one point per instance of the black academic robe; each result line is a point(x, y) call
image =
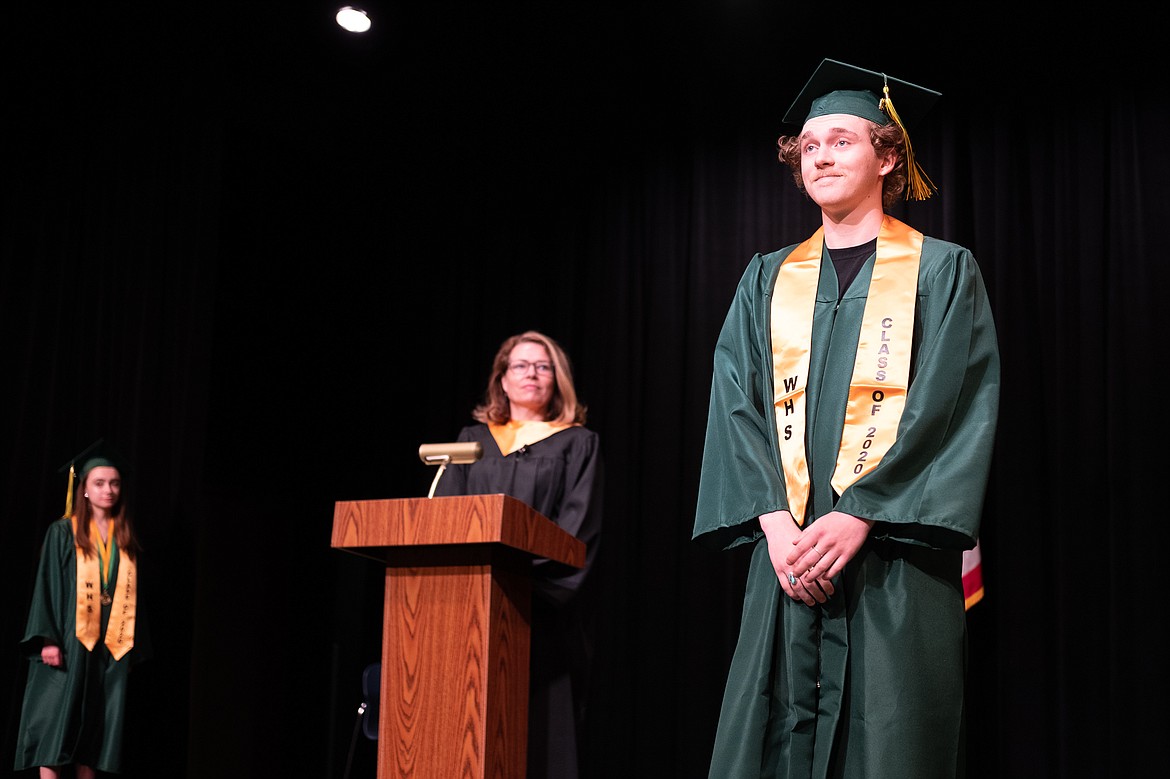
point(560, 477)
point(871, 683)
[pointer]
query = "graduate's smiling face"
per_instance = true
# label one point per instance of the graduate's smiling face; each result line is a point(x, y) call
point(839, 165)
point(103, 487)
point(528, 380)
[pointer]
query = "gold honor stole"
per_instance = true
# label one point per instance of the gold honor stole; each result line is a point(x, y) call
point(120, 631)
point(881, 371)
point(516, 435)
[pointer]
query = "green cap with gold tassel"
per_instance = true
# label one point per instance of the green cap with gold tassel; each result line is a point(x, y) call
point(838, 88)
point(80, 465)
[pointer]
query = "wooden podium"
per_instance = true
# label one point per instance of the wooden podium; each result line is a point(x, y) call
point(455, 633)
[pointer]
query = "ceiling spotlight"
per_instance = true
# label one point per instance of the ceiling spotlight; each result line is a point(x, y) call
point(353, 19)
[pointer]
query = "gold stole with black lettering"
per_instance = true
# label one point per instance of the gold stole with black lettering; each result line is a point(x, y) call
point(120, 631)
point(881, 370)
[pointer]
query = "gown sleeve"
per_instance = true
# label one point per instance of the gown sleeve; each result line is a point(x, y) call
point(579, 514)
point(48, 615)
point(929, 488)
point(741, 476)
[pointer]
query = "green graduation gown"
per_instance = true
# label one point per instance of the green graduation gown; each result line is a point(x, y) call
point(869, 684)
point(72, 713)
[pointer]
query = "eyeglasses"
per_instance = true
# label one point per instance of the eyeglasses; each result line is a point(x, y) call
point(521, 368)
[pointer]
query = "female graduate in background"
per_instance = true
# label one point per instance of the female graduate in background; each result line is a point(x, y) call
point(80, 637)
point(537, 449)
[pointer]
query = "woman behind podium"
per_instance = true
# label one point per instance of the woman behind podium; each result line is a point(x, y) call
point(537, 449)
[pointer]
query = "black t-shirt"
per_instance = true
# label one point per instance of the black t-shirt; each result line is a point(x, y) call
point(848, 261)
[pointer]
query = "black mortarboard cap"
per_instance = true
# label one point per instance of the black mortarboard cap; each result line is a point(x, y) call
point(79, 465)
point(838, 88)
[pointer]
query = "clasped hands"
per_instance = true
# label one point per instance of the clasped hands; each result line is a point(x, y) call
point(806, 559)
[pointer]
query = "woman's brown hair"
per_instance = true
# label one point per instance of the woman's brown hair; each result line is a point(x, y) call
point(123, 524)
point(563, 407)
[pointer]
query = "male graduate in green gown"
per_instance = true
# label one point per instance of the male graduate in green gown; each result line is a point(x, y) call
point(851, 426)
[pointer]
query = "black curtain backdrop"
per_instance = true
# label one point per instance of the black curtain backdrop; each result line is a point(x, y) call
point(268, 259)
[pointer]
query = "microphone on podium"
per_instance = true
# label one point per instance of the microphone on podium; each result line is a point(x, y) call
point(443, 455)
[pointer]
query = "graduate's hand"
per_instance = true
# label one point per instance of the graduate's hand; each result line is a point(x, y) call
point(823, 549)
point(51, 655)
point(782, 532)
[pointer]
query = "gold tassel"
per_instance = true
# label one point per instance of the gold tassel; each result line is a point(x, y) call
point(920, 187)
point(69, 496)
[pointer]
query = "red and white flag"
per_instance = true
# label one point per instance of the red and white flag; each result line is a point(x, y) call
point(972, 576)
